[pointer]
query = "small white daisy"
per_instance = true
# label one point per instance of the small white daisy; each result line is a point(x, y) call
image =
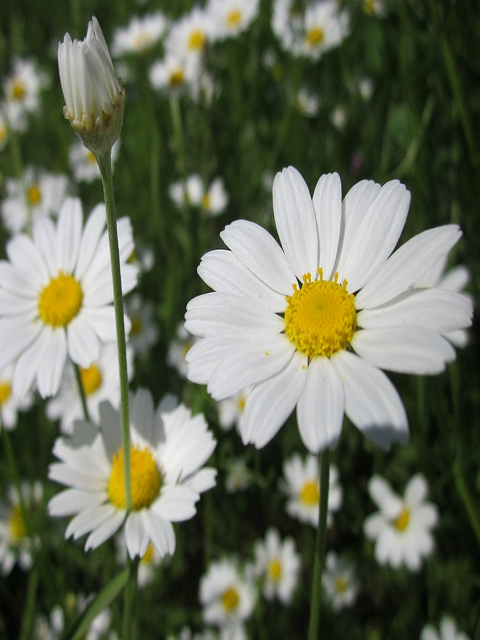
point(174, 73)
point(56, 296)
point(301, 484)
point(190, 34)
point(9, 405)
point(140, 35)
point(143, 331)
point(448, 631)
point(215, 198)
point(308, 103)
point(374, 8)
point(230, 410)
point(286, 23)
point(277, 563)
point(38, 195)
point(232, 17)
point(178, 349)
point(238, 476)
point(324, 28)
point(189, 192)
point(21, 89)
point(401, 529)
point(83, 163)
point(339, 582)
point(168, 450)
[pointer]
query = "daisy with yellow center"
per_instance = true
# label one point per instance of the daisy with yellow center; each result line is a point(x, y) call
point(277, 565)
point(56, 296)
point(311, 322)
point(401, 529)
point(167, 452)
point(175, 73)
point(324, 28)
point(189, 35)
point(232, 17)
point(140, 35)
point(21, 88)
point(339, 582)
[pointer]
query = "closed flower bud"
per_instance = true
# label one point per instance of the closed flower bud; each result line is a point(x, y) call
point(94, 96)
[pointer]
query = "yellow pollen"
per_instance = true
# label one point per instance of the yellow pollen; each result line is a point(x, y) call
point(176, 78)
point(341, 584)
point(136, 327)
point(91, 379)
point(145, 478)
point(5, 391)
point(310, 494)
point(60, 300)
point(401, 523)
point(320, 318)
point(275, 569)
point(230, 599)
point(206, 202)
point(233, 18)
point(34, 195)
point(18, 90)
point(315, 36)
point(147, 557)
point(16, 524)
point(196, 40)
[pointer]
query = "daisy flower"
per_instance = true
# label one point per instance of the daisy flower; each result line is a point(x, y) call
point(448, 631)
point(307, 102)
point(301, 484)
point(168, 449)
point(140, 35)
point(9, 405)
point(230, 410)
point(339, 582)
point(312, 323)
point(232, 17)
point(143, 332)
point(178, 349)
point(189, 192)
point(38, 195)
point(227, 597)
point(215, 198)
point(175, 73)
point(278, 564)
point(190, 34)
point(21, 89)
point(56, 296)
point(401, 529)
point(324, 28)
point(100, 381)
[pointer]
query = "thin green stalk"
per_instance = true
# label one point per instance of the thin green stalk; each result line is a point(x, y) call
point(320, 546)
point(81, 391)
point(30, 603)
point(179, 135)
point(129, 618)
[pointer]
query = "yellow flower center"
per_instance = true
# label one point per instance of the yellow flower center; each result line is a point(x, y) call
point(315, 36)
point(16, 524)
point(230, 599)
point(177, 78)
point(147, 557)
point(145, 478)
point(3, 132)
point(5, 391)
point(275, 569)
point(341, 584)
point(206, 202)
point(34, 195)
point(60, 300)
point(369, 6)
point(142, 41)
point(91, 379)
point(196, 40)
point(233, 18)
point(310, 494)
point(136, 326)
point(401, 523)
point(320, 318)
point(18, 90)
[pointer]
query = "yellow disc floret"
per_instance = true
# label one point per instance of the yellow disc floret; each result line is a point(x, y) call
point(18, 90)
point(230, 599)
point(60, 300)
point(275, 569)
point(233, 18)
point(145, 477)
point(34, 195)
point(196, 40)
point(91, 379)
point(16, 525)
point(5, 391)
point(401, 522)
point(320, 318)
point(340, 584)
point(310, 494)
point(315, 36)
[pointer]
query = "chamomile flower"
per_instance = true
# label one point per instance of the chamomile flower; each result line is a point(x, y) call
point(100, 381)
point(39, 194)
point(83, 163)
point(277, 563)
point(401, 529)
point(215, 198)
point(339, 581)
point(174, 73)
point(232, 17)
point(301, 485)
point(324, 28)
point(178, 349)
point(311, 324)
point(143, 332)
point(140, 35)
point(22, 89)
point(230, 410)
point(190, 192)
point(168, 449)
point(9, 405)
point(190, 34)
point(448, 630)
point(56, 296)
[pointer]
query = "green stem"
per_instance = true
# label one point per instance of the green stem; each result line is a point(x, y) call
point(129, 631)
point(320, 546)
point(81, 391)
point(30, 604)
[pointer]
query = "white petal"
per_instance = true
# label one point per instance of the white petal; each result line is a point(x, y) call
point(321, 406)
point(416, 490)
point(28, 364)
point(17, 281)
point(53, 363)
point(45, 238)
point(327, 201)
point(12, 304)
point(25, 256)
point(142, 413)
point(69, 232)
point(71, 501)
point(176, 504)
point(83, 346)
point(111, 426)
point(92, 232)
point(384, 497)
point(136, 536)
point(371, 401)
point(205, 356)
point(103, 322)
point(295, 221)
point(202, 480)
point(161, 533)
point(90, 519)
point(105, 531)
point(16, 335)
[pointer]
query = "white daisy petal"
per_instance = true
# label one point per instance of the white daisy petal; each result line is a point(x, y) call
point(327, 202)
point(105, 531)
point(382, 494)
point(416, 490)
point(15, 336)
point(136, 535)
point(24, 255)
point(28, 364)
point(89, 519)
point(44, 238)
point(161, 533)
point(83, 345)
point(92, 233)
point(295, 221)
point(103, 320)
point(69, 233)
point(13, 305)
point(71, 501)
point(176, 504)
point(16, 281)
point(51, 369)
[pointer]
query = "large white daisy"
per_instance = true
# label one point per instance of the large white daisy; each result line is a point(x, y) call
point(56, 296)
point(312, 323)
point(168, 448)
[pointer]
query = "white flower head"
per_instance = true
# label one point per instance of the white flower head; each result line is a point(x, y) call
point(175, 73)
point(190, 192)
point(448, 630)
point(277, 563)
point(94, 97)
point(178, 349)
point(190, 34)
point(311, 323)
point(339, 581)
point(215, 198)
point(230, 410)
point(3, 129)
point(232, 17)
point(140, 35)
point(301, 484)
point(168, 449)
point(324, 28)
point(56, 296)
point(401, 529)
point(22, 89)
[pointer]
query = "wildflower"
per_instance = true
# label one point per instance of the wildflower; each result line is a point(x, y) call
point(174, 74)
point(230, 410)
point(232, 17)
point(190, 34)
point(83, 162)
point(448, 631)
point(100, 381)
point(308, 103)
point(278, 564)
point(143, 332)
point(94, 97)
point(339, 582)
point(189, 192)
point(178, 349)
point(324, 28)
point(38, 195)
point(286, 320)
point(374, 8)
point(402, 527)
point(301, 484)
point(238, 476)
point(56, 296)
point(140, 35)
point(168, 449)
point(215, 198)
point(22, 89)
point(9, 405)
point(227, 597)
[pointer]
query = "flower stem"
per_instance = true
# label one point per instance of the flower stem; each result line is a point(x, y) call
point(81, 391)
point(320, 546)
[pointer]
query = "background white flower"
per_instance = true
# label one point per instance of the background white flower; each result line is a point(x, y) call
point(448, 631)
point(277, 563)
point(339, 581)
